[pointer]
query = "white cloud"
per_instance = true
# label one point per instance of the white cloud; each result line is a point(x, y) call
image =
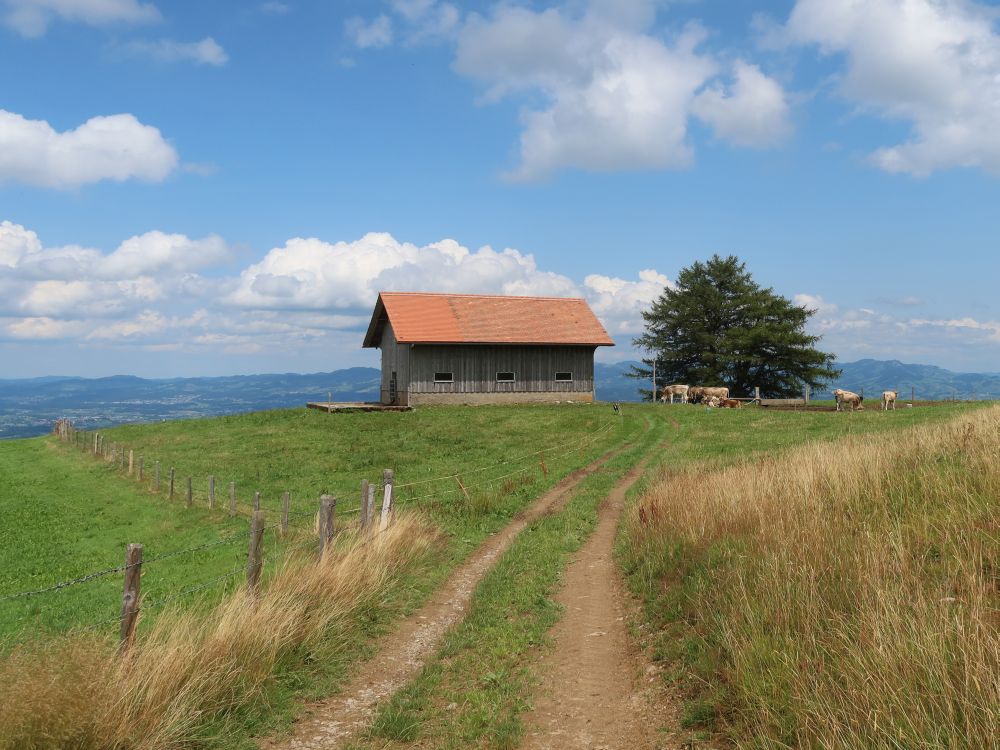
point(116, 147)
point(31, 18)
point(373, 34)
point(934, 64)
point(621, 302)
point(428, 20)
point(752, 112)
point(618, 97)
point(205, 52)
point(148, 292)
point(310, 274)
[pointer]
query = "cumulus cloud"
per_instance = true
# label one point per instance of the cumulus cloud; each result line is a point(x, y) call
point(150, 291)
point(115, 147)
point(934, 64)
point(310, 274)
point(620, 302)
point(204, 52)
point(373, 34)
point(31, 18)
point(753, 111)
point(618, 97)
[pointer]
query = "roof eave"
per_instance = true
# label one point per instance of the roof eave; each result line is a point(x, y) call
point(372, 339)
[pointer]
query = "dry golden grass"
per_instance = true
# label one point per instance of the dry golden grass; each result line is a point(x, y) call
point(843, 595)
point(192, 671)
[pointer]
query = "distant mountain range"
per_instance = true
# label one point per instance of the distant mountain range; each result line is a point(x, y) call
point(29, 407)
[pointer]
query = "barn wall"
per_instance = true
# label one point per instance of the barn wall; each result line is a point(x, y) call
point(481, 399)
point(395, 358)
point(475, 369)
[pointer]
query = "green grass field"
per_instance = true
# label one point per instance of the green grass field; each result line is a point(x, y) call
point(69, 513)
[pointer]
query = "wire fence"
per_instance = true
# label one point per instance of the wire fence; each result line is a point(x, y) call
point(371, 523)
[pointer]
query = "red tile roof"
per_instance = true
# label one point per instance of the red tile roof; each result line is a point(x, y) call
point(419, 318)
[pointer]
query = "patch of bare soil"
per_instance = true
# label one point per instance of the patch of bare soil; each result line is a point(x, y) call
point(330, 723)
point(598, 691)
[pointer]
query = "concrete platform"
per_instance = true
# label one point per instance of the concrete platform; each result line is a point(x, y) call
point(334, 407)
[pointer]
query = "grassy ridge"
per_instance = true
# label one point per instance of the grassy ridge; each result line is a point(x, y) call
point(843, 596)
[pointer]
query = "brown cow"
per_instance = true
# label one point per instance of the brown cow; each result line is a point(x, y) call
point(730, 403)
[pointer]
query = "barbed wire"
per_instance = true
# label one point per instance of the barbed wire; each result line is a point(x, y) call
point(71, 582)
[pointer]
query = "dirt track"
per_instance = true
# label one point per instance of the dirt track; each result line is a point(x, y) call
point(596, 690)
point(331, 723)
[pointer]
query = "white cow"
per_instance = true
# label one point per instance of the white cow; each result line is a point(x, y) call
point(669, 391)
point(848, 397)
point(889, 399)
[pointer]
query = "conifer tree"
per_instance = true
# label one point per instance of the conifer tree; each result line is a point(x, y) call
point(719, 327)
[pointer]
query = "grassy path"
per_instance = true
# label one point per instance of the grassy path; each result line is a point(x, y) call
point(595, 690)
point(330, 723)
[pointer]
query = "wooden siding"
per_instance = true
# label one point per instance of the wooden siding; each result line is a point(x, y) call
point(475, 368)
point(395, 358)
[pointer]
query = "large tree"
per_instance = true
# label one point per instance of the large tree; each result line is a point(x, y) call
point(719, 327)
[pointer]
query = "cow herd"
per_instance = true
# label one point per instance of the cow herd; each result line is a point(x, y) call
point(719, 397)
point(700, 394)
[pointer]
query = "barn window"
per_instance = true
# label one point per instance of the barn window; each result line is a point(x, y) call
point(564, 377)
point(505, 377)
point(444, 377)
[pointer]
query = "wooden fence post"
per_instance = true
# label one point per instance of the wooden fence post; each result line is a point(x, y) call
point(131, 461)
point(286, 500)
point(913, 394)
point(190, 493)
point(121, 457)
point(256, 501)
point(211, 493)
point(232, 498)
point(387, 511)
point(139, 470)
point(96, 438)
point(156, 479)
point(370, 506)
point(255, 554)
point(171, 492)
point(130, 596)
point(364, 518)
point(327, 508)
point(466, 492)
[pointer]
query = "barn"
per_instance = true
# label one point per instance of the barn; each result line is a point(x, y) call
point(481, 349)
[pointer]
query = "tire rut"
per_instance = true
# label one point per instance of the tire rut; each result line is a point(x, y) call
point(330, 723)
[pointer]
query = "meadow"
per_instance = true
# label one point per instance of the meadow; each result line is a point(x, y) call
point(839, 595)
point(216, 672)
point(68, 513)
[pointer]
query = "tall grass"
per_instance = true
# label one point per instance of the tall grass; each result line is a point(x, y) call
point(193, 674)
point(842, 595)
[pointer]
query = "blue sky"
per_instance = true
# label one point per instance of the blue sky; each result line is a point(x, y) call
point(196, 188)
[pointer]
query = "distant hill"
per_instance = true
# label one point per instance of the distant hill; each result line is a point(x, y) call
point(30, 406)
point(931, 383)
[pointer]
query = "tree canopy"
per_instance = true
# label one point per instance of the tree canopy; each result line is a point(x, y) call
point(719, 327)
